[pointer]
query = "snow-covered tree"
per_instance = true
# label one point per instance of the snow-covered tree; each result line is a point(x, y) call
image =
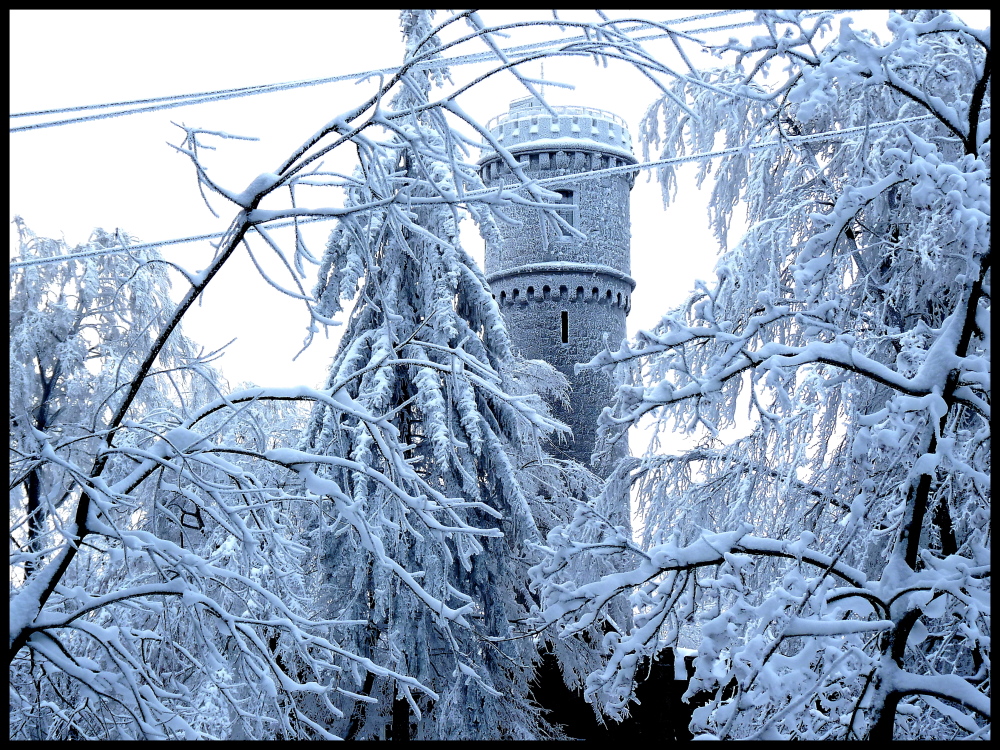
point(159, 589)
point(439, 582)
point(76, 335)
point(832, 566)
point(156, 584)
point(190, 561)
point(78, 332)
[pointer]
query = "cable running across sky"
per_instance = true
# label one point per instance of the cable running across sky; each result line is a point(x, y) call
point(185, 100)
point(593, 175)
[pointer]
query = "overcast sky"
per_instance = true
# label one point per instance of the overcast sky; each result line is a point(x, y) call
point(121, 172)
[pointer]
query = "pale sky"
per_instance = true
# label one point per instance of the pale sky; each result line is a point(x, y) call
point(121, 173)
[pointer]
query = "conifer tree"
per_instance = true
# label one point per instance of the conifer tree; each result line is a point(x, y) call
point(438, 584)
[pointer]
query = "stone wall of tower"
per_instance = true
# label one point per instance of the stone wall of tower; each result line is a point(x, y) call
point(535, 318)
point(561, 295)
point(602, 209)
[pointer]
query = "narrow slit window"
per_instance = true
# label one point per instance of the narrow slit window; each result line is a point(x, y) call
point(565, 327)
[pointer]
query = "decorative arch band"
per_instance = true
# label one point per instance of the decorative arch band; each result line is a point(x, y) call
point(563, 293)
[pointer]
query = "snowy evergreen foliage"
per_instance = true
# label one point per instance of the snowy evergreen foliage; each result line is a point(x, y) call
point(832, 566)
point(440, 582)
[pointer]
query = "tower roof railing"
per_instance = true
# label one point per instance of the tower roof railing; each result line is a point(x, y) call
point(528, 106)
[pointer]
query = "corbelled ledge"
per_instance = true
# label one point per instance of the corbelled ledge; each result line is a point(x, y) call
point(562, 267)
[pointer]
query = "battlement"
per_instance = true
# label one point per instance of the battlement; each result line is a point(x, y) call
point(529, 124)
point(529, 105)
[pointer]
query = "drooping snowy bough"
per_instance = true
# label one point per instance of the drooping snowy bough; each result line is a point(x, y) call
point(831, 566)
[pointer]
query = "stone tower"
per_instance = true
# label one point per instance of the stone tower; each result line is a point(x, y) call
point(559, 294)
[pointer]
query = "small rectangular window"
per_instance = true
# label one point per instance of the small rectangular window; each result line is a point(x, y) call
point(567, 214)
point(565, 327)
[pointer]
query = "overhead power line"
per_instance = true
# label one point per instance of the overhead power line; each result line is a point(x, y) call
point(828, 135)
point(632, 26)
point(187, 100)
point(115, 250)
point(584, 176)
point(100, 251)
point(257, 88)
point(85, 107)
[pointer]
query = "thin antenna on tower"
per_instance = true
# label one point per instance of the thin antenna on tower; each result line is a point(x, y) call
point(542, 63)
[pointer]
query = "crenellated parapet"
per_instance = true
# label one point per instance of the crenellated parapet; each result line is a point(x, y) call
point(530, 124)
